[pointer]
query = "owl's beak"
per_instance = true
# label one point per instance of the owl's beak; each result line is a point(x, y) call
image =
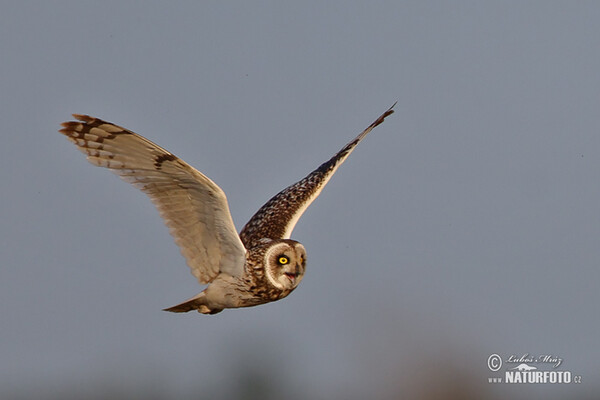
point(292, 276)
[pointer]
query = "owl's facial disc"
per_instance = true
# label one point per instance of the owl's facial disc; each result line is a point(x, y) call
point(286, 263)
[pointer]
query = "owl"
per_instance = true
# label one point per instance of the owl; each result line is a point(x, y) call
point(261, 264)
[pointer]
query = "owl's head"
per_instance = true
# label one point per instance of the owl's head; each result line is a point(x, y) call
point(285, 262)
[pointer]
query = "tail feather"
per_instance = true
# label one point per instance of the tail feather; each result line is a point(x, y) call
point(197, 302)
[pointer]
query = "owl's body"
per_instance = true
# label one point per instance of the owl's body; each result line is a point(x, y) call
point(259, 265)
point(260, 283)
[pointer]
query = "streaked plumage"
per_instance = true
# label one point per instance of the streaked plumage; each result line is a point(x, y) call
point(259, 265)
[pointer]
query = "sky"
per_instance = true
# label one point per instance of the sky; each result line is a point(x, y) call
point(466, 225)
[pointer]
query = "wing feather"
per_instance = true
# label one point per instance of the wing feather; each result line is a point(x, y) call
point(278, 217)
point(193, 207)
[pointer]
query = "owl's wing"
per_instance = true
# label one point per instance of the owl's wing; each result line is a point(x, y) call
point(193, 207)
point(277, 218)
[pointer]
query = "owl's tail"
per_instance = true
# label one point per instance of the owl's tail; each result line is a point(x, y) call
point(197, 302)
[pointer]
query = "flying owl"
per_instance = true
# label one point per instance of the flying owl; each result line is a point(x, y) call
point(261, 264)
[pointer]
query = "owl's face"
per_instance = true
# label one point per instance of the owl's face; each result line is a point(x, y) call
point(285, 262)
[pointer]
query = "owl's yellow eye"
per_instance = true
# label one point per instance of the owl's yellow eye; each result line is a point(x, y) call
point(283, 260)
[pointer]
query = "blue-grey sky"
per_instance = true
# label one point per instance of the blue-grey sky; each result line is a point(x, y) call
point(467, 224)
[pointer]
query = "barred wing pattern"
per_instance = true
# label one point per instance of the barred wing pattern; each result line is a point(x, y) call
point(193, 207)
point(278, 217)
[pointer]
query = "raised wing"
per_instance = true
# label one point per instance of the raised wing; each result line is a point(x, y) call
point(193, 207)
point(278, 217)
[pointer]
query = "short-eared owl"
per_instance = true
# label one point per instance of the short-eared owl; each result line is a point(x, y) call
point(259, 265)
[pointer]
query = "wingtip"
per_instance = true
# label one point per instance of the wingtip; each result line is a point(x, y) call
point(383, 116)
point(70, 126)
point(83, 117)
